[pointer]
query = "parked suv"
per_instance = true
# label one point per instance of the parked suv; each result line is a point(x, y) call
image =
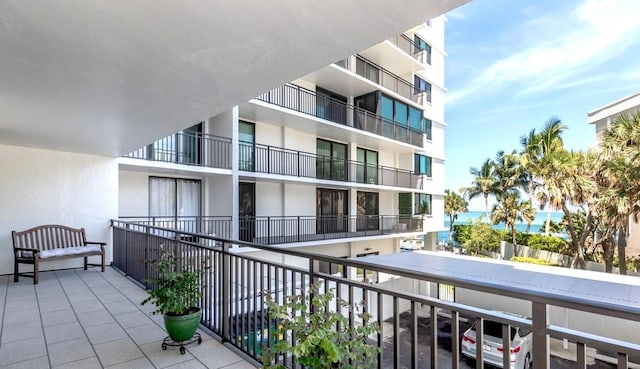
point(492, 345)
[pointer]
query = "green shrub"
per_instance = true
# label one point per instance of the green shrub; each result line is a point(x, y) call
point(462, 233)
point(521, 237)
point(548, 243)
point(522, 259)
point(482, 237)
point(321, 337)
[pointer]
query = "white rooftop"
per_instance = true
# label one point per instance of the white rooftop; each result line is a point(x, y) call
point(528, 278)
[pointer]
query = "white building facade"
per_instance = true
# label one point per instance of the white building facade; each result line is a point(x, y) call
point(346, 161)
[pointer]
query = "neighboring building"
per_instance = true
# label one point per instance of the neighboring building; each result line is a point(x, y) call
point(346, 161)
point(602, 118)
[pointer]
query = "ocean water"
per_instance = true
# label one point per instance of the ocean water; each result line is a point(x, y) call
point(463, 218)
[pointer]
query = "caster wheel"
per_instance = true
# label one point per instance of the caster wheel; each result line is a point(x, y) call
point(199, 340)
point(164, 346)
point(182, 350)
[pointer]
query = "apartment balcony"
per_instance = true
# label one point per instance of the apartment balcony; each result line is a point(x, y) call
point(419, 300)
point(87, 319)
point(271, 230)
point(257, 158)
point(398, 54)
point(196, 149)
point(309, 103)
point(276, 230)
point(383, 77)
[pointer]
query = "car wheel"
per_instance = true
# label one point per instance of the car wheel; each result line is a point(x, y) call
point(527, 362)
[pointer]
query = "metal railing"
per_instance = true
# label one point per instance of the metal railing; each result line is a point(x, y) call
point(276, 160)
point(413, 327)
point(190, 149)
point(305, 101)
point(271, 230)
point(407, 45)
point(215, 226)
point(376, 74)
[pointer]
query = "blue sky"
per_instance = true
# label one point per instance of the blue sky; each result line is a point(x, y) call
point(512, 65)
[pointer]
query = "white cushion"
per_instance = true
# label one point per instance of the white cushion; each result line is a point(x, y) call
point(68, 251)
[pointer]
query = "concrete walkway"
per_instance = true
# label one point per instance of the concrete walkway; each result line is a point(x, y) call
point(87, 319)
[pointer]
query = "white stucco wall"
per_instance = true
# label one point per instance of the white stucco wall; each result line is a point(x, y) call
point(51, 187)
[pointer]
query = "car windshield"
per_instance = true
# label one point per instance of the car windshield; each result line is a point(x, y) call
point(494, 329)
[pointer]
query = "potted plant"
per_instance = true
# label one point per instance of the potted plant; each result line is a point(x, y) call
point(317, 336)
point(176, 293)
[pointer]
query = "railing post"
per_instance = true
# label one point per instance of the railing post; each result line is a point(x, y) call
point(314, 268)
point(268, 230)
point(226, 289)
point(540, 339)
point(298, 228)
point(298, 163)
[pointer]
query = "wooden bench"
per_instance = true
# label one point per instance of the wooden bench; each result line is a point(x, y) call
point(52, 242)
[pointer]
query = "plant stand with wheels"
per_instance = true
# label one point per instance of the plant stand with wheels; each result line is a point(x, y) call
point(169, 342)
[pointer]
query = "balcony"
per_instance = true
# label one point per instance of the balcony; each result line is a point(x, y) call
point(407, 45)
point(189, 149)
point(271, 230)
point(418, 329)
point(308, 102)
point(279, 161)
point(376, 74)
point(87, 319)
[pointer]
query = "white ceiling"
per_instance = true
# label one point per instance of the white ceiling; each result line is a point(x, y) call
point(106, 77)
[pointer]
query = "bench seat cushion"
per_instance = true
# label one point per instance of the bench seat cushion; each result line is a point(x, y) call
point(69, 251)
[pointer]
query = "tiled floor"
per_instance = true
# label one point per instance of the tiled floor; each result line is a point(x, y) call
point(87, 319)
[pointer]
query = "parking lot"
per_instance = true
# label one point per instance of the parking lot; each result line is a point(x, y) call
point(444, 346)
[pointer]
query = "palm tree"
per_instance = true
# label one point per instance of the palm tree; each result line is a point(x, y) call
point(619, 158)
point(454, 204)
point(510, 175)
point(528, 214)
point(510, 211)
point(536, 147)
point(484, 184)
point(567, 183)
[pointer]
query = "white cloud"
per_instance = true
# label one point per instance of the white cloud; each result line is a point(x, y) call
point(567, 47)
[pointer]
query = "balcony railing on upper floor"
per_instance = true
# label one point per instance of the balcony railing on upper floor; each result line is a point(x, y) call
point(305, 101)
point(275, 160)
point(417, 330)
point(407, 45)
point(385, 78)
point(189, 149)
point(272, 230)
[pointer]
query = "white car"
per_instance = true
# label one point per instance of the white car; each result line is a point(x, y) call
point(520, 350)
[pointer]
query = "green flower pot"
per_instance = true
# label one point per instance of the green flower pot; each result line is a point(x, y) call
point(183, 327)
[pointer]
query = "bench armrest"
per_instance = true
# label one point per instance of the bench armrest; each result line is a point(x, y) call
point(26, 249)
point(96, 243)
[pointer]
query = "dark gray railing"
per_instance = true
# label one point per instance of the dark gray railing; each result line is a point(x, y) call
point(305, 101)
point(215, 226)
point(413, 327)
point(277, 160)
point(271, 230)
point(190, 149)
point(385, 78)
point(407, 45)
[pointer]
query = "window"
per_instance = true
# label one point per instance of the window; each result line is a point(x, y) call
point(331, 210)
point(426, 127)
point(331, 160)
point(368, 211)
point(331, 106)
point(367, 166)
point(422, 204)
point(415, 119)
point(174, 197)
point(422, 86)
point(423, 46)
point(422, 165)
point(247, 138)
